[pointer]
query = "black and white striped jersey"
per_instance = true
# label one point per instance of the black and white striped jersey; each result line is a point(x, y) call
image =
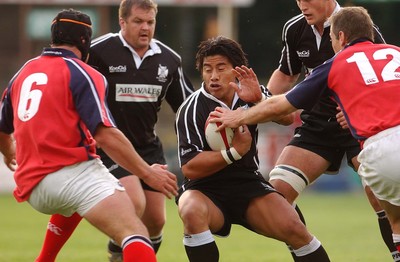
point(190, 125)
point(304, 49)
point(137, 87)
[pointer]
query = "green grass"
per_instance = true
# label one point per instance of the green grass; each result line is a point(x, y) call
point(344, 223)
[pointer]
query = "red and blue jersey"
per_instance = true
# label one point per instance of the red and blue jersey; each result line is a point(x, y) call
point(52, 106)
point(364, 79)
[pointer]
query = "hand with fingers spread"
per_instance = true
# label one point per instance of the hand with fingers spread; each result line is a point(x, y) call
point(249, 87)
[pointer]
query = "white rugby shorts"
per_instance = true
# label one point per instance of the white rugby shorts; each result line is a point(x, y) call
point(75, 188)
point(380, 165)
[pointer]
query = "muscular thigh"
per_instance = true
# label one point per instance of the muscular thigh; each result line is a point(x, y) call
point(309, 162)
point(272, 216)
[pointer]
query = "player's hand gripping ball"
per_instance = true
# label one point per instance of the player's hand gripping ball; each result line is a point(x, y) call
point(218, 140)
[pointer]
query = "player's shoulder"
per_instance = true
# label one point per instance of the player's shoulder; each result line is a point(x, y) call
point(83, 68)
point(167, 50)
point(295, 23)
point(109, 39)
point(190, 102)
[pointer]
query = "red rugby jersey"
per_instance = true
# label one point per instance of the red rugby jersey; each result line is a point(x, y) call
point(364, 79)
point(53, 105)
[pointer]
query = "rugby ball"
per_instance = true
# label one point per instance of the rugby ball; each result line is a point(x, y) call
point(218, 140)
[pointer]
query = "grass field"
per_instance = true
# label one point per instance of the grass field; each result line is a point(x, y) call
point(344, 222)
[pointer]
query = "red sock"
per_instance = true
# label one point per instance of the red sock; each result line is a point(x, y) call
point(59, 230)
point(137, 250)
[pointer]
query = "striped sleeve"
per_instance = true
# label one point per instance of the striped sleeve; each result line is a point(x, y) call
point(190, 137)
point(89, 91)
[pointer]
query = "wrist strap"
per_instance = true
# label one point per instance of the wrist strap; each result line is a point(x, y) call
point(236, 156)
point(230, 155)
point(224, 154)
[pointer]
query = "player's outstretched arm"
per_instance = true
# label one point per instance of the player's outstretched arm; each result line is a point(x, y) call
point(119, 149)
point(269, 110)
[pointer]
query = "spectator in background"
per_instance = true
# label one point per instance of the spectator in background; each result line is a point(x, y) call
point(51, 107)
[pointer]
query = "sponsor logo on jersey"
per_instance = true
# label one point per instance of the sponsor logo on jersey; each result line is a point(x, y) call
point(137, 93)
point(184, 152)
point(117, 69)
point(162, 73)
point(304, 53)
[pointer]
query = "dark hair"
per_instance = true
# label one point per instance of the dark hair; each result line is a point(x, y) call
point(126, 5)
point(72, 27)
point(221, 46)
point(354, 22)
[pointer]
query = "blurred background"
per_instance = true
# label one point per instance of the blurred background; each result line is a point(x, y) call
point(182, 24)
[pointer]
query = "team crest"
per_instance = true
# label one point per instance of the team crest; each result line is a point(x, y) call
point(162, 73)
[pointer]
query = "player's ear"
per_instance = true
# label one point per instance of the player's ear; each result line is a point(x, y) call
point(342, 38)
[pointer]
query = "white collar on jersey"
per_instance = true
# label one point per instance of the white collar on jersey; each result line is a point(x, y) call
point(210, 96)
point(154, 49)
point(318, 37)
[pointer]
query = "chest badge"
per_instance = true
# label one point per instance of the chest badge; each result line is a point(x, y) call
point(162, 73)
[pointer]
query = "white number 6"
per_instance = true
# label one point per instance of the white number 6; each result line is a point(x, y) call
point(30, 99)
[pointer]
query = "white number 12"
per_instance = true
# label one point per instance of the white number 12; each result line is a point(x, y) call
point(367, 71)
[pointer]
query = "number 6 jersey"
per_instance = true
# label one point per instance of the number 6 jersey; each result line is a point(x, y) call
point(52, 105)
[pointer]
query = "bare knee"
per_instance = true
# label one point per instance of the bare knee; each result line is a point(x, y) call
point(193, 215)
point(135, 192)
point(154, 224)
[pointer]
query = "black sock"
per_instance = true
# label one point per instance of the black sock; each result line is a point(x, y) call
point(208, 252)
point(386, 233)
point(319, 255)
point(156, 241)
point(114, 247)
point(292, 253)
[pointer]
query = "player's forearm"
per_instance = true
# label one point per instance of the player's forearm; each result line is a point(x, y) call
point(204, 164)
point(119, 149)
point(7, 146)
point(280, 83)
point(272, 109)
